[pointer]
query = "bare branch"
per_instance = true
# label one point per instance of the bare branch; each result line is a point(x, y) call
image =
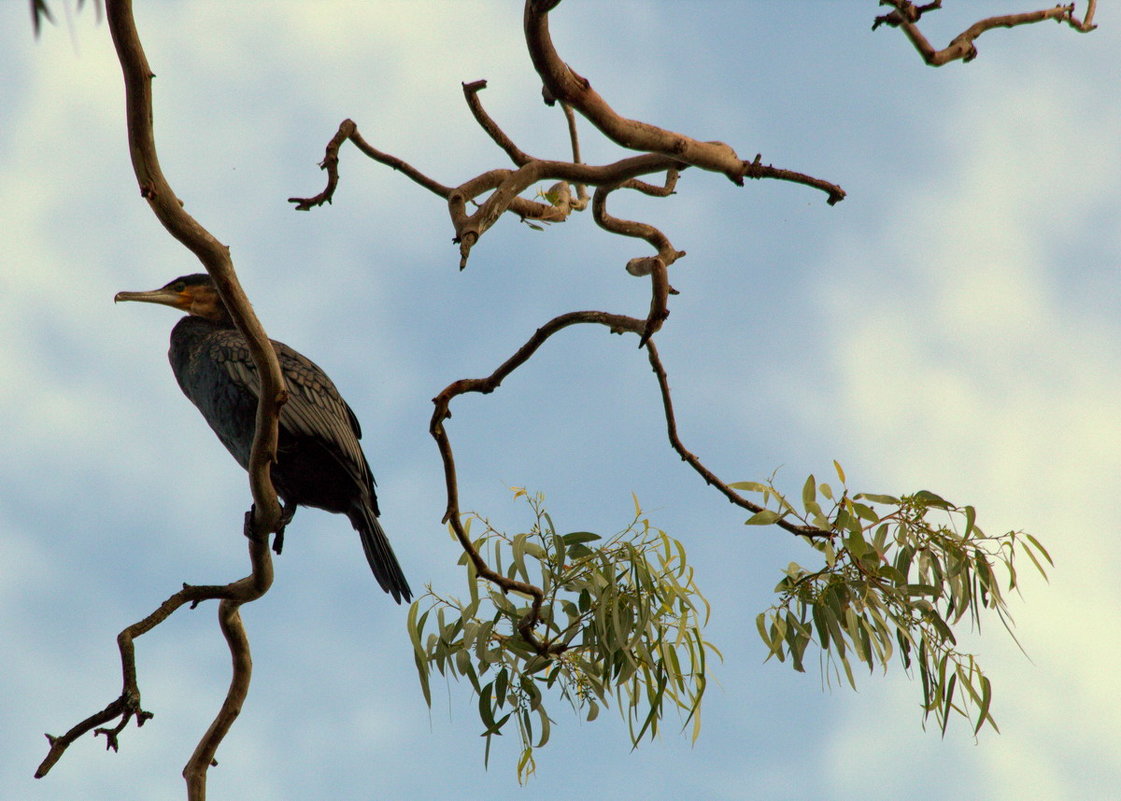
point(906, 15)
point(349, 130)
point(508, 184)
point(581, 190)
point(195, 770)
point(1086, 24)
point(566, 85)
point(214, 256)
point(658, 240)
point(127, 706)
point(710, 477)
point(487, 123)
point(668, 187)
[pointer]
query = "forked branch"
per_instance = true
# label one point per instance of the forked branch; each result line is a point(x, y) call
point(503, 185)
point(127, 706)
point(453, 514)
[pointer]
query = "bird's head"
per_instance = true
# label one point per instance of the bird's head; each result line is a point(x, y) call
point(194, 294)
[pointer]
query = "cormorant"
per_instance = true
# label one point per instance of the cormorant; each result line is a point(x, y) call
point(319, 461)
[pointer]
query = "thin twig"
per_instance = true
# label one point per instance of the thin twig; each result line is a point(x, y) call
point(487, 123)
point(710, 477)
point(581, 201)
point(348, 130)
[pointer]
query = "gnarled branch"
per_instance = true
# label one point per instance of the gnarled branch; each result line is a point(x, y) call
point(906, 16)
point(564, 84)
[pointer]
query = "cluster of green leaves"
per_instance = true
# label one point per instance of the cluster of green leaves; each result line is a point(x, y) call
point(621, 618)
point(898, 575)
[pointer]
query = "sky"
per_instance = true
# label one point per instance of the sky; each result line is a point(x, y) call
point(950, 326)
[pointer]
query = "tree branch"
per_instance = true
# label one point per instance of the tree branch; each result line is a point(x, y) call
point(581, 201)
point(348, 130)
point(906, 15)
point(504, 185)
point(710, 477)
point(264, 516)
point(487, 123)
point(215, 256)
point(127, 706)
point(566, 85)
point(453, 515)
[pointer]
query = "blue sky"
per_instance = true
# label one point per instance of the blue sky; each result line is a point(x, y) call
point(951, 326)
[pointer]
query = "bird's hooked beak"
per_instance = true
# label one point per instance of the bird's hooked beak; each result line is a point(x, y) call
point(165, 296)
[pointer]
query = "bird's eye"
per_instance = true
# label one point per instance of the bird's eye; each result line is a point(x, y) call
point(178, 286)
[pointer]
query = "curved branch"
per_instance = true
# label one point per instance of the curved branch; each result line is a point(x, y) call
point(566, 85)
point(1086, 24)
point(349, 130)
point(640, 230)
point(214, 256)
point(453, 516)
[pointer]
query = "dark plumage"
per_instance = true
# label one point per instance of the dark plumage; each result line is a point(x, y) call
point(319, 460)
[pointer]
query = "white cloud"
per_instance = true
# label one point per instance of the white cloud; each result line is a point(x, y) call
point(967, 368)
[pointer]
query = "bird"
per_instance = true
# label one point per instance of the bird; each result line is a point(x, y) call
point(319, 462)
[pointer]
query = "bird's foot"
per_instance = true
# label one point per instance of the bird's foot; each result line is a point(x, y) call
point(287, 512)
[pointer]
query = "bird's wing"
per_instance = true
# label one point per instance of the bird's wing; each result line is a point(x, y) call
point(314, 407)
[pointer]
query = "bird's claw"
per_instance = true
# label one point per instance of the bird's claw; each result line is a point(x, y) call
point(287, 512)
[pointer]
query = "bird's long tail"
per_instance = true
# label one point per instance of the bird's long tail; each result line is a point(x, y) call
point(379, 554)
